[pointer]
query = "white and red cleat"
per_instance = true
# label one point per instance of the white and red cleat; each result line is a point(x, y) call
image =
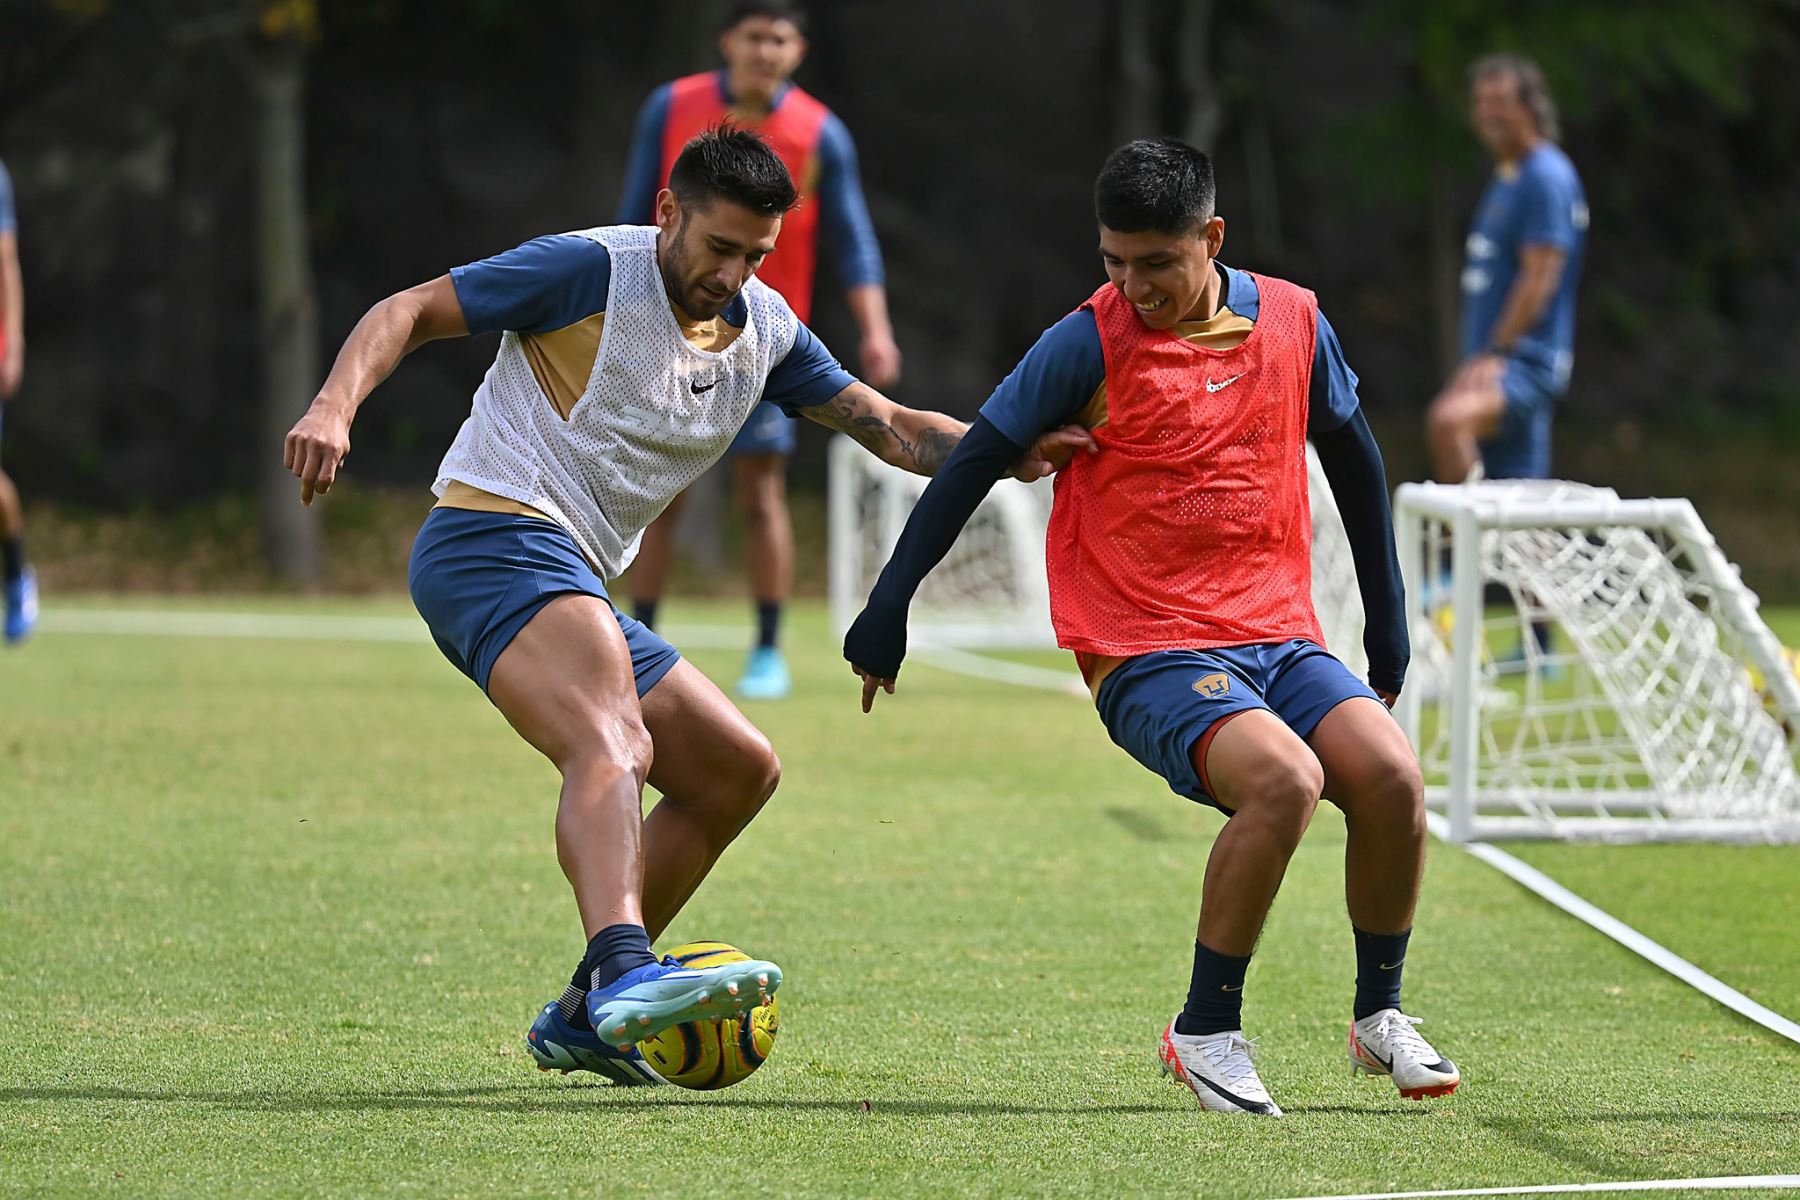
point(1218, 1069)
point(1385, 1043)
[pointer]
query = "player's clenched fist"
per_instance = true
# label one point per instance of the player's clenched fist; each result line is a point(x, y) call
point(315, 449)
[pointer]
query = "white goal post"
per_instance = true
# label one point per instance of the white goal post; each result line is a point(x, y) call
point(1617, 682)
point(1590, 667)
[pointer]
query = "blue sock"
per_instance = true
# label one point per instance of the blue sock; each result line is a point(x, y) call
point(768, 623)
point(614, 951)
point(1215, 1000)
point(1379, 958)
point(645, 612)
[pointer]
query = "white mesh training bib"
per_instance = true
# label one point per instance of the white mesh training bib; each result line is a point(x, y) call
point(656, 413)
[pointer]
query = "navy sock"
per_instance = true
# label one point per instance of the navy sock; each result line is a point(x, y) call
point(1379, 958)
point(574, 998)
point(645, 612)
point(614, 951)
point(12, 555)
point(610, 953)
point(1215, 1000)
point(768, 623)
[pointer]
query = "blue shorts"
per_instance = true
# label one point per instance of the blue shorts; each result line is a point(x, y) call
point(1520, 448)
point(478, 577)
point(768, 431)
point(1156, 706)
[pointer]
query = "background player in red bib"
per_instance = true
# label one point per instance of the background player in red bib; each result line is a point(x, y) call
point(1180, 575)
point(763, 45)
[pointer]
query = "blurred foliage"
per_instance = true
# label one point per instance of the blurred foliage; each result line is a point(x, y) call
point(440, 131)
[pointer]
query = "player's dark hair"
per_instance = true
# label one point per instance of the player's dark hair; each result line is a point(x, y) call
point(1534, 90)
point(726, 162)
point(778, 10)
point(1159, 184)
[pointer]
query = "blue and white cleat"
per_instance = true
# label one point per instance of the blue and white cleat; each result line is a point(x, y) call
point(765, 675)
point(557, 1045)
point(21, 606)
point(644, 1002)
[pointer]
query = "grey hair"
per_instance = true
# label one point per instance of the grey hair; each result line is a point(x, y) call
point(1534, 92)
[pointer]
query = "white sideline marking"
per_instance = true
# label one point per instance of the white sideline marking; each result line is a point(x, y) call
point(128, 622)
point(949, 658)
point(1536, 881)
point(1715, 1183)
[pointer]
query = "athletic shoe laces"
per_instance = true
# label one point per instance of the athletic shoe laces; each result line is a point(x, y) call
point(1234, 1056)
point(1396, 1029)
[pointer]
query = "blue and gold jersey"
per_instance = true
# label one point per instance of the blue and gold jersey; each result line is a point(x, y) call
point(1537, 201)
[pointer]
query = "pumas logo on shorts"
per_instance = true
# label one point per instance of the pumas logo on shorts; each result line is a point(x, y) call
point(1216, 684)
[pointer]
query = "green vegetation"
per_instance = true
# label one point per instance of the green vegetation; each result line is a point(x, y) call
point(278, 913)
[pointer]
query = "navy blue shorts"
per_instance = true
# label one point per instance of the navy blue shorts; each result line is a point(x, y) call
point(1520, 448)
point(1156, 706)
point(478, 577)
point(768, 431)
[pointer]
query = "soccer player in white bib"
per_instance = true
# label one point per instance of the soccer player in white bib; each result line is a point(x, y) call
point(629, 358)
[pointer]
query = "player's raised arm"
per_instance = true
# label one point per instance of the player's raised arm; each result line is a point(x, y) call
point(388, 332)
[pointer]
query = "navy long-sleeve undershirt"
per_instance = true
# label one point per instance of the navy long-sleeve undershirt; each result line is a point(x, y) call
point(1352, 463)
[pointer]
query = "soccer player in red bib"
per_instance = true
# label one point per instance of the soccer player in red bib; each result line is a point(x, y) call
point(1179, 557)
point(763, 44)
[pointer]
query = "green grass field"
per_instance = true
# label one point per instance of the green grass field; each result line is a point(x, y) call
point(278, 912)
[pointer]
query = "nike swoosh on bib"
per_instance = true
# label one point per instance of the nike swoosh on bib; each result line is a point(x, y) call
point(697, 389)
point(1223, 383)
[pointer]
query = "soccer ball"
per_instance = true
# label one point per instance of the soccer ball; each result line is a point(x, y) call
point(708, 1055)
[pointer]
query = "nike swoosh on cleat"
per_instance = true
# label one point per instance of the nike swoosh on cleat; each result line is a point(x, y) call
point(1255, 1106)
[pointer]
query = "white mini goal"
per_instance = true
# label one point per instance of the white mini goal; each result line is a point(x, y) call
point(1590, 667)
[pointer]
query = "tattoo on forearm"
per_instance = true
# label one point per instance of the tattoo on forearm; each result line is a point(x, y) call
point(928, 451)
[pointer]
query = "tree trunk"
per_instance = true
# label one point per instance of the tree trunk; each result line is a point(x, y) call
point(286, 310)
point(1194, 62)
point(1138, 79)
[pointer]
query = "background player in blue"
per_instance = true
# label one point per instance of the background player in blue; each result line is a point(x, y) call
point(1522, 263)
point(763, 44)
point(21, 583)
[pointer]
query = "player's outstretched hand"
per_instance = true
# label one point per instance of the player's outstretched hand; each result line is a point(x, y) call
point(315, 448)
point(1053, 451)
point(875, 646)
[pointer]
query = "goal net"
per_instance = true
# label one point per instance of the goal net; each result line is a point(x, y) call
point(1590, 667)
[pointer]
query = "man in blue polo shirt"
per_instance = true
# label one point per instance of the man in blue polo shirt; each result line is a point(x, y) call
point(1522, 263)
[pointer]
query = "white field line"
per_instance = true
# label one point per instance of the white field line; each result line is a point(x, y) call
point(1717, 1183)
point(126, 622)
point(1536, 881)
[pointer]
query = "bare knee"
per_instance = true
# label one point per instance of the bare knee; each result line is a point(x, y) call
point(757, 777)
point(1390, 796)
point(614, 748)
point(1281, 795)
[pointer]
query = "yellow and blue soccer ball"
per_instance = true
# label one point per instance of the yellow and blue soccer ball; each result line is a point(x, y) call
point(708, 1055)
